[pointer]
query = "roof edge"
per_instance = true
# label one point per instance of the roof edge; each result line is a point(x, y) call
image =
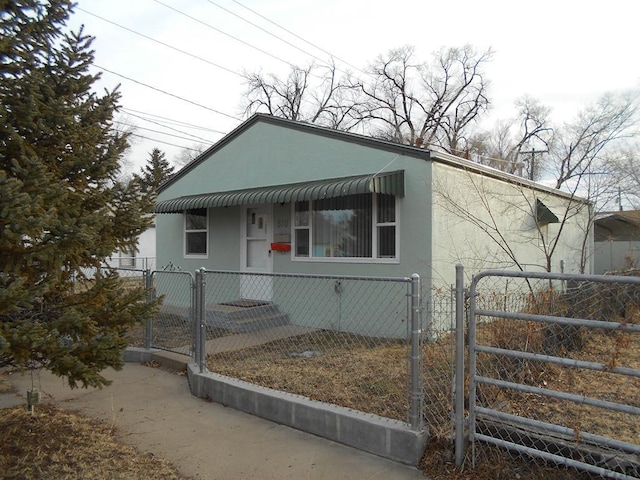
point(408, 150)
point(463, 164)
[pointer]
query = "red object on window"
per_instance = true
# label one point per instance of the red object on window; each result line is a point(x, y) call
point(281, 247)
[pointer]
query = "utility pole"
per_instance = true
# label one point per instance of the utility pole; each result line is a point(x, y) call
point(533, 160)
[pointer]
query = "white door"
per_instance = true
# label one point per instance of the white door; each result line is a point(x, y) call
point(256, 255)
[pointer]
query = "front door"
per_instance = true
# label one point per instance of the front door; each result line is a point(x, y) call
point(256, 256)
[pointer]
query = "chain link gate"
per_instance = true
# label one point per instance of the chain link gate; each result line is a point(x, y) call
point(173, 327)
point(554, 369)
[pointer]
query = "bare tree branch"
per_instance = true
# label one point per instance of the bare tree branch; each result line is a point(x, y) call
point(425, 104)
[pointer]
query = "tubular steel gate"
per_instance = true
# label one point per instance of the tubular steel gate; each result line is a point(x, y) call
point(554, 369)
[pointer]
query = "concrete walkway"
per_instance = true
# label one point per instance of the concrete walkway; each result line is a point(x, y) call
point(154, 411)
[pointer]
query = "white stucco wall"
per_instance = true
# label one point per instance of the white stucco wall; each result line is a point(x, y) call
point(483, 222)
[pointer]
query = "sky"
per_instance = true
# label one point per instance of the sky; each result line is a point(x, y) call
point(179, 64)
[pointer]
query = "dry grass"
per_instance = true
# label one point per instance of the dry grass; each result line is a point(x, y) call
point(371, 376)
point(603, 347)
point(5, 385)
point(356, 372)
point(54, 444)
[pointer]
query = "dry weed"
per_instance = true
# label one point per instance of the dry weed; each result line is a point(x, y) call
point(53, 444)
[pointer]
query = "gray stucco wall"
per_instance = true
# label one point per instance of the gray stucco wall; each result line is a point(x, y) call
point(616, 255)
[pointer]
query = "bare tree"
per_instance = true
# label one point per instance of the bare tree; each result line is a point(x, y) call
point(624, 172)
point(580, 146)
point(581, 156)
point(314, 94)
point(432, 104)
point(515, 145)
point(189, 154)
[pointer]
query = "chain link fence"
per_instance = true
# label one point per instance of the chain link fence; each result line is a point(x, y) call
point(554, 370)
point(131, 263)
point(131, 279)
point(552, 360)
point(173, 327)
point(336, 339)
point(439, 362)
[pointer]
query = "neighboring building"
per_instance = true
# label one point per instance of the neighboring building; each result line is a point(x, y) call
point(617, 241)
point(341, 203)
point(143, 257)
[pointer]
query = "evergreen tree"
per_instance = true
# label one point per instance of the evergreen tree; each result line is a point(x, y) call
point(62, 208)
point(156, 171)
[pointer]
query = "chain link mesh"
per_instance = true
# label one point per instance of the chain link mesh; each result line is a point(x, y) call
point(439, 362)
point(131, 279)
point(558, 372)
point(173, 326)
point(339, 340)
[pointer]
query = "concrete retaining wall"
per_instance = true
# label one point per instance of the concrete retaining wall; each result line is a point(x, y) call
point(381, 436)
point(387, 438)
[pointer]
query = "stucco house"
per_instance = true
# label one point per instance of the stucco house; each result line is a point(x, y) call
point(143, 257)
point(617, 241)
point(281, 196)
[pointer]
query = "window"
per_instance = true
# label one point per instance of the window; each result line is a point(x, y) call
point(354, 226)
point(195, 232)
point(127, 259)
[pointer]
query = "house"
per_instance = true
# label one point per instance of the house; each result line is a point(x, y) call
point(281, 196)
point(143, 257)
point(617, 241)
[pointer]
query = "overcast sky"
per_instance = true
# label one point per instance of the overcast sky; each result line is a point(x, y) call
point(566, 53)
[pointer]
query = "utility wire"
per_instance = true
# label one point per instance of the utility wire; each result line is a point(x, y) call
point(171, 120)
point(224, 33)
point(161, 132)
point(165, 143)
point(167, 93)
point(184, 52)
point(271, 33)
point(169, 127)
point(298, 37)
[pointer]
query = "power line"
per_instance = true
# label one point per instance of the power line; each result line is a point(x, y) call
point(184, 52)
point(298, 36)
point(224, 33)
point(161, 132)
point(166, 93)
point(168, 127)
point(163, 142)
point(269, 33)
point(171, 120)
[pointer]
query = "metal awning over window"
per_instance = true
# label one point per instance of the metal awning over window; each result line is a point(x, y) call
point(545, 216)
point(391, 183)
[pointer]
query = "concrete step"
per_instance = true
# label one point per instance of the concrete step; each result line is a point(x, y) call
point(245, 316)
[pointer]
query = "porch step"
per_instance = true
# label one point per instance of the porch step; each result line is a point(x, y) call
point(245, 316)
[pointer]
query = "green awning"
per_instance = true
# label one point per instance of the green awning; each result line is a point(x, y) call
point(545, 216)
point(390, 183)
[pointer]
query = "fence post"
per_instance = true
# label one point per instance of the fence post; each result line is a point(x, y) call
point(199, 320)
point(459, 377)
point(148, 285)
point(417, 393)
point(193, 316)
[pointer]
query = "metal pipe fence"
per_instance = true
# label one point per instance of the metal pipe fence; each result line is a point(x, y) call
point(554, 369)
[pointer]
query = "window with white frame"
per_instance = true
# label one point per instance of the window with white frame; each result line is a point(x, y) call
point(195, 232)
point(353, 226)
